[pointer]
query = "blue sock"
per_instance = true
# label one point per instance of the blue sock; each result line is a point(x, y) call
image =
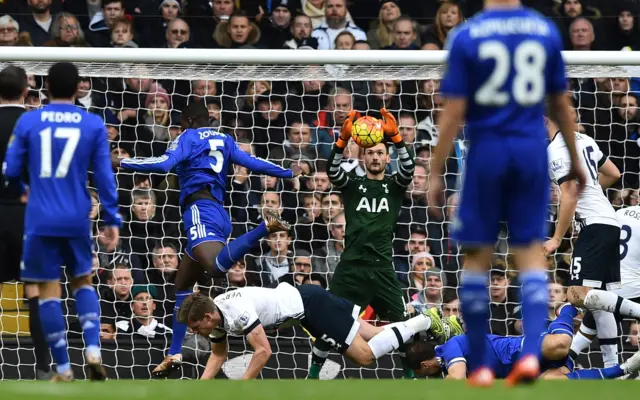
point(564, 323)
point(55, 331)
point(179, 328)
point(237, 248)
point(88, 308)
point(474, 299)
point(597, 373)
point(535, 299)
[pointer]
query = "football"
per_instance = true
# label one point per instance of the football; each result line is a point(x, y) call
point(367, 131)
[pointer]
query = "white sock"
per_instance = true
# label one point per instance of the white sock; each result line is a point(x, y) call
point(389, 340)
point(607, 328)
point(417, 324)
point(580, 342)
point(602, 300)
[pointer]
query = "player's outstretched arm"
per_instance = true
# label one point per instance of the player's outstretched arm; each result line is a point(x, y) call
point(262, 352)
point(406, 163)
point(177, 152)
point(338, 177)
point(451, 119)
point(219, 352)
point(259, 165)
point(457, 371)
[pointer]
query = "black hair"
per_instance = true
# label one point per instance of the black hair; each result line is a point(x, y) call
point(195, 115)
point(419, 351)
point(63, 80)
point(13, 82)
point(107, 2)
point(316, 276)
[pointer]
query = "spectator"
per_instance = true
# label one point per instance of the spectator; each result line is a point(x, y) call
point(240, 276)
point(344, 41)
point(315, 9)
point(429, 105)
point(328, 256)
point(157, 118)
point(99, 34)
point(431, 295)
point(361, 45)
point(38, 22)
point(269, 123)
point(142, 321)
point(417, 243)
point(581, 34)
point(330, 120)
point(634, 334)
point(624, 32)
point(448, 17)
point(505, 320)
point(298, 142)
point(380, 35)
point(569, 11)
point(9, 29)
point(384, 94)
point(238, 33)
point(300, 31)
point(336, 22)
point(276, 30)
point(451, 307)
point(122, 33)
point(115, 300)
point(66, 31)
point(405, 33)
point(416, 280)
point(155, 29)
point(177, 34)
point(276, 262)
point(93, 101)
point(301, 269)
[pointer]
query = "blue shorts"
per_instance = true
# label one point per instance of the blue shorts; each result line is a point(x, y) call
point(43, 256)
point(205, 221)
point(505, 180)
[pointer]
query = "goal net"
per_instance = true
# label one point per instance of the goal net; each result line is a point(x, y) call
point(287, 106)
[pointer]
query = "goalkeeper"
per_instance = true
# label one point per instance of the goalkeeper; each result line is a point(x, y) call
point(365, 273)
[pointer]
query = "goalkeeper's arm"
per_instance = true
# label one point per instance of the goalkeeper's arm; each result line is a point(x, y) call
point(262, 352)
point(336, 174)
point(219, 352)
point(406, 163)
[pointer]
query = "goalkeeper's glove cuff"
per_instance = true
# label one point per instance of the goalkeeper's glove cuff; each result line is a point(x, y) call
point(341, 143)
point(396, 138)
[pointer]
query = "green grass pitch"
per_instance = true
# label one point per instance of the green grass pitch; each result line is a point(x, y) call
point(306, 390)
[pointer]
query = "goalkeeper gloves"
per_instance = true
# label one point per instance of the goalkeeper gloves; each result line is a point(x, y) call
point(390, 126)
point(347, 126)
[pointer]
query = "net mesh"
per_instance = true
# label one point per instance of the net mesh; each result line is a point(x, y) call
point(259, 104)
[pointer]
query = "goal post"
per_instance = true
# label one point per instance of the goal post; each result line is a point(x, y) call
point(409, 83)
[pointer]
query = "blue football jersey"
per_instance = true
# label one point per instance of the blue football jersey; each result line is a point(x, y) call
point(500, 357)
point(504, 62)
point(201, 157)
point(59, 144)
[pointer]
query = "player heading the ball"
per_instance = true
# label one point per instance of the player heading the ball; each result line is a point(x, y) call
point(501, 65)
point(59, 144)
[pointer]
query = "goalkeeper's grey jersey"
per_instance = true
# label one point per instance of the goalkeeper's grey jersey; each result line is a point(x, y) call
point(244, 309)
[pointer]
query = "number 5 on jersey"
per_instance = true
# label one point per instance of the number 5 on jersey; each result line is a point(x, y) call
point(216, 146)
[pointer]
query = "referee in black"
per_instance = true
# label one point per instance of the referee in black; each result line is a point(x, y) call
point(13, 90)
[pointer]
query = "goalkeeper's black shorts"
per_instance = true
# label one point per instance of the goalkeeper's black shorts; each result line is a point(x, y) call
point(11, 237)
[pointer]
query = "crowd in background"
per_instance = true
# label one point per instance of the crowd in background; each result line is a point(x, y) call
point(298, 122)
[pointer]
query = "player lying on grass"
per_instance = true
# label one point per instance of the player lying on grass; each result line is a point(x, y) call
point(254, 311)
point(451, 357)
point(201, 157)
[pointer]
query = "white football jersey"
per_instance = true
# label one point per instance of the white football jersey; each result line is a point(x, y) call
point(593, 206)
point(629, 219)
point(245, 308)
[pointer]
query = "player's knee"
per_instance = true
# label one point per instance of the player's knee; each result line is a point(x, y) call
point(558, 347)
point(576, 295)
